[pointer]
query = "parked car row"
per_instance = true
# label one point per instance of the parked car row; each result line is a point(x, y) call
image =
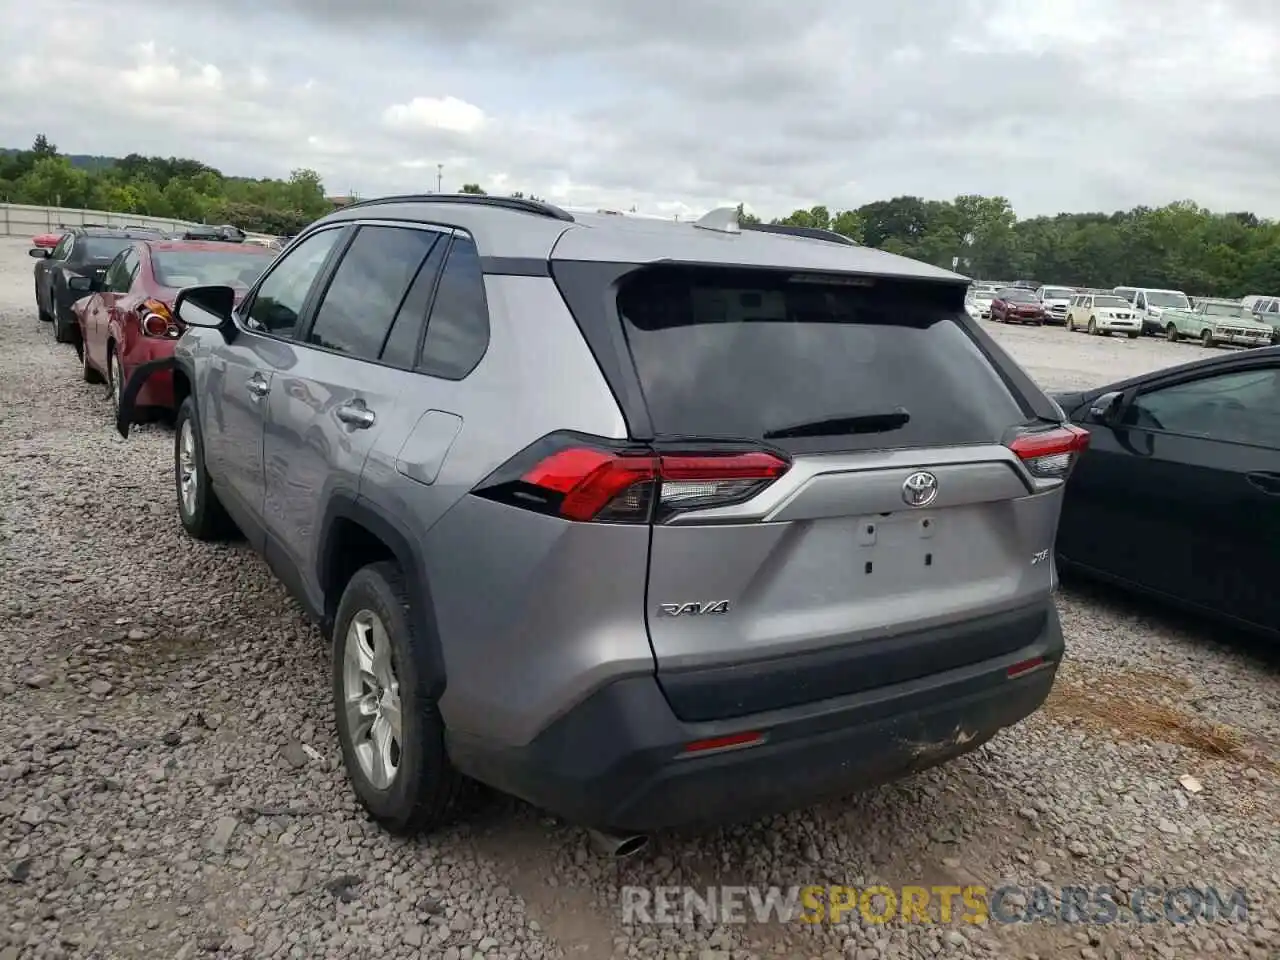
point(664, 526)
point(1252, 322)
point(111, 293)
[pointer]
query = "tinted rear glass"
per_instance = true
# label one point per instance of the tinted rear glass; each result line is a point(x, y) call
point(189, 268)
point(1014, 295)
point(725, 353)
point(100, 248)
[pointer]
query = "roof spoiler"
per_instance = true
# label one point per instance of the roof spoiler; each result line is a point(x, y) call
point(727, 220)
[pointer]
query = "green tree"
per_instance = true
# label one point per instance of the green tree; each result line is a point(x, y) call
point(472, 188)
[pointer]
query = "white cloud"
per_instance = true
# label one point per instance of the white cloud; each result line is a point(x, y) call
point(439, 113)
point(603, 103)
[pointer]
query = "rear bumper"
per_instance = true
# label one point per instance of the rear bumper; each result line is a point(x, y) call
point(157, 389)
point(616, 761)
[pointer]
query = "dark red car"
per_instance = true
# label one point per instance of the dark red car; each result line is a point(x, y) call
point(129, 320)
point(47, 241)
point(1015, 305)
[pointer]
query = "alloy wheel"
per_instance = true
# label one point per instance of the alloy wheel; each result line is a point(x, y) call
point(188, 468)
point(371, 698)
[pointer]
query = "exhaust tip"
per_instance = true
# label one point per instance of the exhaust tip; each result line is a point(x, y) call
point(617, 847)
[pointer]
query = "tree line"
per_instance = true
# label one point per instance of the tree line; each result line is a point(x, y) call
point(161, 187)
point(1181, 245)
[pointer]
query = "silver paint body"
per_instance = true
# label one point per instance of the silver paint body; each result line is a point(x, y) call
point(535, 613)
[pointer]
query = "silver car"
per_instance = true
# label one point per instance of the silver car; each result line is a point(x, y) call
point(648, 523)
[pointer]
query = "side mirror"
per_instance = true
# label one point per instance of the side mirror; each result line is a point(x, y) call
point(1106, 408)
point(39, 253)
point(208, 306)
point(82, 284)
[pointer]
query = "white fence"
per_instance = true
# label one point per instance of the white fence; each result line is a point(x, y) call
point(20, 220)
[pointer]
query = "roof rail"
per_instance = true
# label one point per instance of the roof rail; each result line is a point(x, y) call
point(521, 204)
point(813, 233)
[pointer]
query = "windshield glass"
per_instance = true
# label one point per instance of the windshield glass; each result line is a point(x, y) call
point(1163, 298)
point(1113, 302)
point(1223, 309)
point(1058, 293)
point(189, 268)
point(1016, 295)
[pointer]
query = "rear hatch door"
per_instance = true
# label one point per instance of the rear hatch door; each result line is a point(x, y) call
point(906, 537)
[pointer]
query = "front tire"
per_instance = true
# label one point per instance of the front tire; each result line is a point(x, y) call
point(41, 313)
point(1093, 326)
point(201, 513)
point(1171, 333)
point(65, 328)
point(391, 732)
point(1133, 336)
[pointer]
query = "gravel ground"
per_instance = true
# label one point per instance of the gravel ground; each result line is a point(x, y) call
point(170, 783)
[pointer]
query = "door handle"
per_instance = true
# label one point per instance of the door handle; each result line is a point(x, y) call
point(357, 415)
point(1268, 483)
point(257, 386)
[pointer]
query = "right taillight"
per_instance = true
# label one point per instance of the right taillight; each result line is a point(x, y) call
point(1050, 454)
point(594, 481)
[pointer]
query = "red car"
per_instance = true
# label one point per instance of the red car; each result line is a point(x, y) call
point(129, 320)
point(47, 241)
point(1015, 305)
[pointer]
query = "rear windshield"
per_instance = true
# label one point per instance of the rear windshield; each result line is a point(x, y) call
point(1110, 302)
point(189, 268)
point(1058, 293)
point(743, 354)
point(101, 248)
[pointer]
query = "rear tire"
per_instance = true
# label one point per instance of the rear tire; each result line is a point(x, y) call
point(402, 775)
point(1206, 338)
point(115, 378)
point(201, 513)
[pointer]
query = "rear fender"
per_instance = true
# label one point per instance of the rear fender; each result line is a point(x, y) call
point(126, 416)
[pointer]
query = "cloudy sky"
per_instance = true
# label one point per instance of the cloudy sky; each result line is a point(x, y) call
point(674, 105)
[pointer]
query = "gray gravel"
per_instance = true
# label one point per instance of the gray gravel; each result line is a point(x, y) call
point(170, 785)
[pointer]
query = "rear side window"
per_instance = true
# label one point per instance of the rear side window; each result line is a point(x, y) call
point(748, 353)
point(367, 288)
point(458, 330)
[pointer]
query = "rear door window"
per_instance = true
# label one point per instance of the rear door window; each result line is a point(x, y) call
point(745, 354)
point(367, 289)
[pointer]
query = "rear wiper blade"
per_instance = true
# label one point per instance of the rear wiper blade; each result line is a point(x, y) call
point(838, 426)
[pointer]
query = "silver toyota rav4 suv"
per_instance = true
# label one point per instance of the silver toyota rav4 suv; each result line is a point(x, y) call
point(649, 523)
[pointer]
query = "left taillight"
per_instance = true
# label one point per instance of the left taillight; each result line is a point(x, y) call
point(158, 320)
point(592, 480)
point(1050, 454)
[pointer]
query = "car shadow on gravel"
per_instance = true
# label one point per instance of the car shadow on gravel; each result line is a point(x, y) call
point(1263, 652)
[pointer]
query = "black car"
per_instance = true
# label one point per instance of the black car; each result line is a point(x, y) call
point(1178, 494)
point(86, 252)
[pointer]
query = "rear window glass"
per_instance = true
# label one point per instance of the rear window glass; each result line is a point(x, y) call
point(189, 268)
point(101, 248)
point(742, 354)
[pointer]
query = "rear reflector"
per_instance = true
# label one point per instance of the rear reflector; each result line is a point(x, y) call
point(722, 743)
point(1051, 454)
point(595, 481)
point(1024, 666)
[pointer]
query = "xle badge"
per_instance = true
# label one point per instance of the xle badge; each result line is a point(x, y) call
point(694, 609)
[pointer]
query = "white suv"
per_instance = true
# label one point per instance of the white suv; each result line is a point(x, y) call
point(1103, 313)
